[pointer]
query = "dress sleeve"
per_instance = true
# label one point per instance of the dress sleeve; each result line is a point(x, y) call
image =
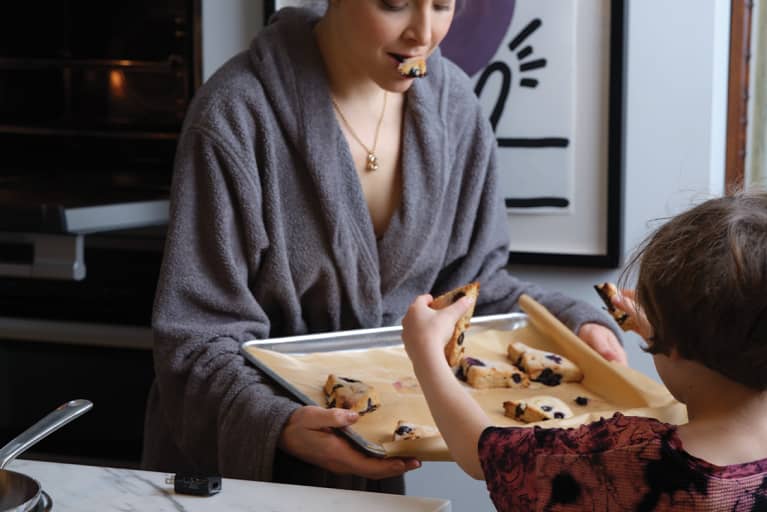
point(222, 413)
point(480, 242)
point(508, 458)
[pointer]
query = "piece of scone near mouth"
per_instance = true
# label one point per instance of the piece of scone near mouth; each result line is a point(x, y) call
point(545, 367)
point(537, 408)
point(454, 347)
point(480, 375)
point(407, 431)
point(352, 394)
point(606, 292)
point(414, 67)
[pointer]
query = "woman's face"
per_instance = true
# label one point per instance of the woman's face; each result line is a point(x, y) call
point(378, 34)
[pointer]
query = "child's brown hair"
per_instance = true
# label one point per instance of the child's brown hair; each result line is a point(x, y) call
point(702, 284)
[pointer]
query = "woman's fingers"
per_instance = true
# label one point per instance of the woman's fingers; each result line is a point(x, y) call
point(603, 341)
point(309, 436)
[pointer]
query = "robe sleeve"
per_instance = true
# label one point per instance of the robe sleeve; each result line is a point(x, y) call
point(222, 413)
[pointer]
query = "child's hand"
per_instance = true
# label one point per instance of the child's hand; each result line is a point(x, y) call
point(625, 301)
point(425, 331)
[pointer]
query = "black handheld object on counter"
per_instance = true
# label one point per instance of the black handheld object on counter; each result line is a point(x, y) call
point(196, 485)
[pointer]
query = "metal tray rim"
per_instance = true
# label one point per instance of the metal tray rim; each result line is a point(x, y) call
point(478, 321)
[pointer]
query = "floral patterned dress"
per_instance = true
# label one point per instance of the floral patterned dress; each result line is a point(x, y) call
point(619, 464)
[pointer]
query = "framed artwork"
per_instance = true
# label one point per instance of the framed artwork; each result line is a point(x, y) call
point(549, 76)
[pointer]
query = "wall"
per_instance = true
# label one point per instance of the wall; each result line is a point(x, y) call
point(676, 76)
point(227, 28)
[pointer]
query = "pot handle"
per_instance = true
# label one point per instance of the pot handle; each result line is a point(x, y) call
point(46, 426)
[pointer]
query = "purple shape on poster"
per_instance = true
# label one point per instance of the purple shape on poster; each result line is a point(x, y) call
point(477, 31)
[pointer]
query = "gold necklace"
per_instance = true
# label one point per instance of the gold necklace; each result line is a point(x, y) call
point(372, 159)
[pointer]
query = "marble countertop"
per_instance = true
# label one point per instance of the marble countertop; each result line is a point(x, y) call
point(90, 488)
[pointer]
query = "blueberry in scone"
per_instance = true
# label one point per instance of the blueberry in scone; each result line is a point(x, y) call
point(351, 394)
point(545, 367)
point(537, 408)
point(454, 347)
point(606, 292)
point(479, 375)
point(582, 400)
point(406, 431)
point(414, 67)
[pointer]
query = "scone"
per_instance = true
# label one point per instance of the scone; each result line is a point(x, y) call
point(454, 347)
point(537, 408)
point(544, 367)
point(479, 375)
point(407, 431)
point(606, 292)
point(412, 68)
point(347, 393)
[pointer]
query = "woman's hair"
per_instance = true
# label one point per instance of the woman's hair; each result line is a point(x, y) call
point(702, 283)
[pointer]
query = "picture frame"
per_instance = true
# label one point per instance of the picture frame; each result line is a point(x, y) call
point(549, 76)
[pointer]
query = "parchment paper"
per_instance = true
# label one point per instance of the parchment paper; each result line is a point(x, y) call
point(610, 387)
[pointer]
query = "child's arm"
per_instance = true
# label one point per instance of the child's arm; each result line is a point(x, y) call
point(458, 417)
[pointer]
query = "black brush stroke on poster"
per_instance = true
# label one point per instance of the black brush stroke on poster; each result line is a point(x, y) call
point(537, 202)
point(540, 142)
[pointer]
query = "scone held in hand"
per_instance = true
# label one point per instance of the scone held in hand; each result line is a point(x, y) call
point(454, 347)
point(606, 292)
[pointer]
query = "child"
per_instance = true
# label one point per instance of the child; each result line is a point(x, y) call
point(701, 304)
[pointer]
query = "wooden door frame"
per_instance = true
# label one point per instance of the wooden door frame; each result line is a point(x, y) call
point(738, 93)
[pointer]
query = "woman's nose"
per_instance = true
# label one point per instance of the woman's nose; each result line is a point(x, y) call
point(419, 30)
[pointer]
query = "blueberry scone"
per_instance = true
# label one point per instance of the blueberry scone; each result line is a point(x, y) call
point(352, 394)
point(454, 347)
point(545, 367)
point(407, 431)
point(477, 374)
point(606, 292)
point(537, 408)
point(414, 67)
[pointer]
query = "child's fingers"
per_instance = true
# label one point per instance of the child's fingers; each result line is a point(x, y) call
point(624, 301)
point(456, 310)
point(423, 300)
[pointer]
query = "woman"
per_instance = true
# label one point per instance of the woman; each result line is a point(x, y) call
point(317, 189)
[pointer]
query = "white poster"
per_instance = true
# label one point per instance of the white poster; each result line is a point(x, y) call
point(542, 72)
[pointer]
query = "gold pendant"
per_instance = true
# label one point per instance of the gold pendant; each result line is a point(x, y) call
point(372, 163)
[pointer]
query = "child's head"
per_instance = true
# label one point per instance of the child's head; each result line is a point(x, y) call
point(702, 284)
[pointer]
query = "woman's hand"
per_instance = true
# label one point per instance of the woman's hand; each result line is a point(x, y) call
point(308, 435)
point(604, 341)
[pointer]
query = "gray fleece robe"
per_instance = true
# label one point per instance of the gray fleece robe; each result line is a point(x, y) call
point(270, 236)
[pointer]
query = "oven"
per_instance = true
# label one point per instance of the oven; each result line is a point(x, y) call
point(92, 98)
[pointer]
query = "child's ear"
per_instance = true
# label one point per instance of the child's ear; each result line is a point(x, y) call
point(674, 354)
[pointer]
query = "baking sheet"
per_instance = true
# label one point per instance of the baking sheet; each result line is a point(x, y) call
point(301, 365)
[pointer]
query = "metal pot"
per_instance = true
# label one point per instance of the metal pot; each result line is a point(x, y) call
point(19, 492)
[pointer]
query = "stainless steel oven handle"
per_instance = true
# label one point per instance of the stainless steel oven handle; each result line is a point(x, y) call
point(55, 256)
